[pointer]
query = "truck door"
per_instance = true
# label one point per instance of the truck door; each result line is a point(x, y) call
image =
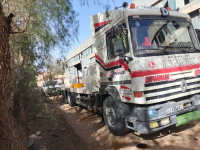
point(90, 78)
point(71, 72)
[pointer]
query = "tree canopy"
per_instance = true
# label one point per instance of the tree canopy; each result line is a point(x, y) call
point(44, 23)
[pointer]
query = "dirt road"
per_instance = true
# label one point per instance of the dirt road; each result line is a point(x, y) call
point(86, 130)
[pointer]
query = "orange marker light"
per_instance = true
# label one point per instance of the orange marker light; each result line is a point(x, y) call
point(132, 5)
point(137, 94)
point(169, 8)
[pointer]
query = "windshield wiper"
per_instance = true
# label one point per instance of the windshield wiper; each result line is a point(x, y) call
point(191, 48)
point(179, 47)
point(168, 46)
point(156, 50)
point(187, 47)
point(150, 49)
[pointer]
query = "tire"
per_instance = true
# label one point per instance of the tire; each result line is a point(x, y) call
point(69, 99)
point(64, 94)
point(112, 117)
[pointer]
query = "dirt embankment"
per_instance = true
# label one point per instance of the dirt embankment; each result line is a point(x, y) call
point(51, 130)
point(76, 128)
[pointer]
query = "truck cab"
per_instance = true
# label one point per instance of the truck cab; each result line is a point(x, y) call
point(151, 56)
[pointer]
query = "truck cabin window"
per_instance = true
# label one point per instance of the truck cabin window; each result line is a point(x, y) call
point(117, 44)
point(162, 37)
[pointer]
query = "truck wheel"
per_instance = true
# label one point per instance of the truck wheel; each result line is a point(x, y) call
point(112, 117)
point(69, 99)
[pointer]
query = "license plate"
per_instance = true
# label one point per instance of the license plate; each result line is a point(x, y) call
point(197, 102)
point(174, 109)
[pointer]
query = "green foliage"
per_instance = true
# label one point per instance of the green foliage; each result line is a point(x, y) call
point(54, 67)
point(37, 27)
point(120, 35)
point(49, 22)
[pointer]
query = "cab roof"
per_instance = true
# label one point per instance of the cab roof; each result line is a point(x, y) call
point(99, 21)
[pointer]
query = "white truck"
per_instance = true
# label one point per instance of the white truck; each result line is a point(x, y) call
point(141, 67)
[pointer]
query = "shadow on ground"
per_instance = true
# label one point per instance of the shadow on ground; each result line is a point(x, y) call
point(89, 128)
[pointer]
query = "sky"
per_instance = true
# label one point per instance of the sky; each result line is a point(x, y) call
point(84, 18)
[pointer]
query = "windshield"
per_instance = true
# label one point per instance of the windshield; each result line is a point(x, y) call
point(161, 37)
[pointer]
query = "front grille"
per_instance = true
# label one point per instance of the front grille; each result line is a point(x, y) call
point(171, 90)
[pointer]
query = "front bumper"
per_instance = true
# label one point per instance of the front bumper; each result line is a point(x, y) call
point(138, 119)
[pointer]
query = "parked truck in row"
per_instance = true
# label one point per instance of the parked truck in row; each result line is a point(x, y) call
point(140, 67)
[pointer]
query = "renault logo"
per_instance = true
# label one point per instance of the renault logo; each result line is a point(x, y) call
point(183, 85)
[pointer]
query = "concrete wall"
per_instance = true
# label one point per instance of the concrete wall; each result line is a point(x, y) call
point(144, 2)
point(192, 8)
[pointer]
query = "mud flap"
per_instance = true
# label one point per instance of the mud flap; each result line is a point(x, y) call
point(188, 117)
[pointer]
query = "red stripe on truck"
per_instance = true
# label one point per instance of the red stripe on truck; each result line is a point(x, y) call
point(127, 98)
point(113, 64)
point(96, 25)
point(142, 73)
point(124, 87)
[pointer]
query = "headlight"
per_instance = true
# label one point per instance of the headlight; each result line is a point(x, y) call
point(152, 113)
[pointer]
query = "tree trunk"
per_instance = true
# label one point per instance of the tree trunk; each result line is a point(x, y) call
point(12, 127)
